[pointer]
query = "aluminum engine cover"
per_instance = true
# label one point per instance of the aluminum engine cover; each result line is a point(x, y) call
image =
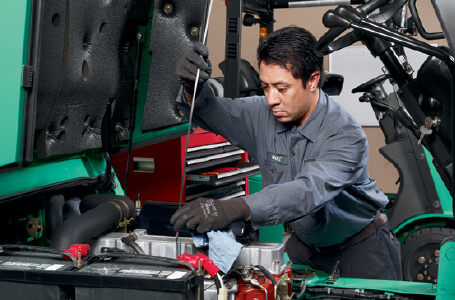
point(268, 255)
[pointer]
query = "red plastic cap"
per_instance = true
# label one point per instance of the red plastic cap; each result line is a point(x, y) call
point(206, 263)
point(75, 249)
point(84, 249)
point(189, 258)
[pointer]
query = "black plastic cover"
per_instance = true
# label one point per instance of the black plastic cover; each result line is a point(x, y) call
point(177, 24)
point(81, 64)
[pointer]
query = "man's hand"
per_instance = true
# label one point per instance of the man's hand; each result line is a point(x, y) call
point(205, 214)
point(187, 67)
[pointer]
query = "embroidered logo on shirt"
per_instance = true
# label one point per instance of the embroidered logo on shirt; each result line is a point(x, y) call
point(277, 158)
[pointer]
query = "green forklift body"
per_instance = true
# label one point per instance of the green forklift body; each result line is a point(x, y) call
point(27, 160)
point(31, 164)
point(14, 28)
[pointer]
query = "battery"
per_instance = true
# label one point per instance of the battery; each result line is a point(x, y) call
point(117, 278)
point(28, 277)
point(126, 278)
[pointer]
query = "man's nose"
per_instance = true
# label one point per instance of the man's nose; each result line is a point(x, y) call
point(273, 97)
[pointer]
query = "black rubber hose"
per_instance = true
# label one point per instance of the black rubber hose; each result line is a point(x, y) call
point(93, 222)
point(300, 294)
point(130, 240)
point(91, 201)
point(36, 251)
point(54, 215)
point(266, 272)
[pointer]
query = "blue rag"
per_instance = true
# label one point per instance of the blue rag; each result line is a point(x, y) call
point(223, 248)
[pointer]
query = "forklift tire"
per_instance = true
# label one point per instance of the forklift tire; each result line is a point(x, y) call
point(420, 253)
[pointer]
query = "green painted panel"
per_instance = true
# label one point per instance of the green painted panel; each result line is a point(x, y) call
point(443, 192)
point(42, 175)
point(146, 59)
point(433, 220)
point(14, 30)
point(321, 279)
point(446, 271)
point(267, 234)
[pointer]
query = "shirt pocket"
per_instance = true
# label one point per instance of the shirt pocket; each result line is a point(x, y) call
point(277, 172)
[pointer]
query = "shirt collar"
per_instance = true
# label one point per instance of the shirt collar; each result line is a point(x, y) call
point(282, 127)
point(311, 127)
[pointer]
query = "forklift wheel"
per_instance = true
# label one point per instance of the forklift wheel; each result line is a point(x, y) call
point(420, 253)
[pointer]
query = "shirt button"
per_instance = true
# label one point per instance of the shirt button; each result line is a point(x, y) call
point(272, 171)
point(293, 153)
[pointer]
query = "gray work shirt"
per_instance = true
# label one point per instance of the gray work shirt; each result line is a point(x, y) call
point(314, 177)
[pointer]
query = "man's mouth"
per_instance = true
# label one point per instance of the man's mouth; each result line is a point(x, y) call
point(278, 113)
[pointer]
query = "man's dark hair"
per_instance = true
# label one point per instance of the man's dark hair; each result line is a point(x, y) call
point(293, 49)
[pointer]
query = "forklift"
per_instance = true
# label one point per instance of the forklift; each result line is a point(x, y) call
point(89, 91)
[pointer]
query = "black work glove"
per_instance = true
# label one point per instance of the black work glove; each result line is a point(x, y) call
point(205, 214)
point(189, 63)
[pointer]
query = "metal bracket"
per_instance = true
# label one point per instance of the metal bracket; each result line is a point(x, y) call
point(27, 76)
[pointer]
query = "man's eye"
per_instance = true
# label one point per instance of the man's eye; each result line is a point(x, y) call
point(282, 90)
point(265, 87)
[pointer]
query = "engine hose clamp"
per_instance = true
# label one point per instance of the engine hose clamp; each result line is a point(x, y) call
point(119, 209)
point(126, 207)
point(124, 222)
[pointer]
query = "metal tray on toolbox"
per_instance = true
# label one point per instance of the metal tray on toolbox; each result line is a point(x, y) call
point(268, 255)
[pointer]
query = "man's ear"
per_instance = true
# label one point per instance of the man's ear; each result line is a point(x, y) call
point(313, 81)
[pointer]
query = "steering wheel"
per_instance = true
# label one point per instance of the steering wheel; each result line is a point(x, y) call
point(340, 19)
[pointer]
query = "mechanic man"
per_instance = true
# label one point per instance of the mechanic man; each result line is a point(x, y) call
point(313, 158)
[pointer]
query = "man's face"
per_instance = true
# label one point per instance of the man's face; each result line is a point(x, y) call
point(288, 98)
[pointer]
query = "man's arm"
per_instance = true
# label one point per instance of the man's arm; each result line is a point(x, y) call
point(342, 162)
point(234, 119)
